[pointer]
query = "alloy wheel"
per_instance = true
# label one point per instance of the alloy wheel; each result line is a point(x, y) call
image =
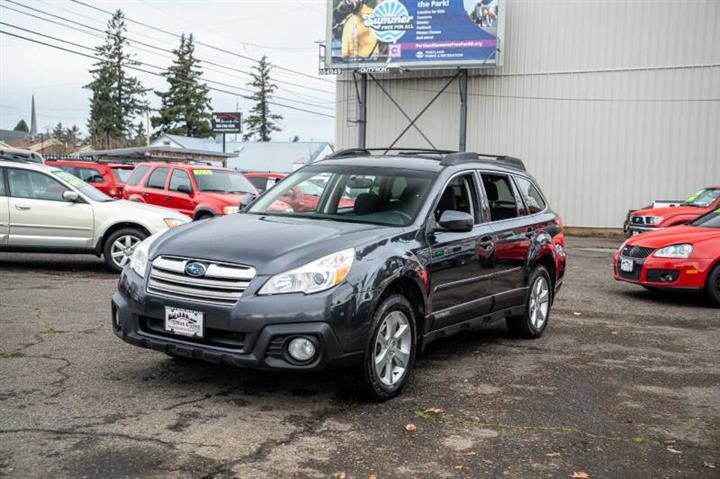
point(539, 302)
point(393, 346)
point(122, 248)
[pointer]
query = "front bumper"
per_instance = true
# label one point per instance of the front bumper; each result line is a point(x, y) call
point(663, 273)
point(633, 230)
point(252, 333)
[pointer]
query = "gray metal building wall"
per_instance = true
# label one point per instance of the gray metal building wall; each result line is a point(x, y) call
point(610, 104)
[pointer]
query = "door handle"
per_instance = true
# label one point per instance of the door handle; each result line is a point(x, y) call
point(530, 232)
point(168, 198)
point(22, 207)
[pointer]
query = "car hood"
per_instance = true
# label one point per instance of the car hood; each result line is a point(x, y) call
point(675, 235)
point(670, 211)
point(230, 199)
point(270, 244)
point(133, 207)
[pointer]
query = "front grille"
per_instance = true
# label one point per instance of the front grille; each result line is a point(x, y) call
point(637, 252)
point(218, 338)
point(634, 274)
point(222, 283)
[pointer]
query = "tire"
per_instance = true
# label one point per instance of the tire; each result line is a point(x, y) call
point(128, 238)
point(712, 288)
point(534, 320)
point(385, 381)
point(203, 215)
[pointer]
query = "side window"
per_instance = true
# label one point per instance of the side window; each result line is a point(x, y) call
point(179, 178)
point(157, 178)
point(70, 169)
point(501, 197)
point(530, 195)
point(34, 185)
point(137, 175)
point(259, 182)
point(459, 195)
point(90, 175)
point(2, 183)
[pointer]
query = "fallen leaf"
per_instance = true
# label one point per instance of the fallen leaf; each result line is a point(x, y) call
point(576, 313)
point(487, 461)
point(410, 427)
point(552, 454)
point(471, 453)
point(673, 451)
point(580, 475)
point(435, 410)
point(459, 466)
point(339, 475)
point(709, 465)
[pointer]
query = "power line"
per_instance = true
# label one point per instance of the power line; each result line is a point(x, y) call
point(139, 42)
point(160, 75)
point(201, 43)
point(149, 65)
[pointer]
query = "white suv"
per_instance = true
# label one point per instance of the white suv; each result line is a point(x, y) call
point(47, 210)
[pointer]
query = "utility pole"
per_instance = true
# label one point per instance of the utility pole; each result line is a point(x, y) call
point(362, 114)
point(147, 127)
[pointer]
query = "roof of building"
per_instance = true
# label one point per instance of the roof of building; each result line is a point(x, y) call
point(157, 153)
point(8, 136)
point(274, 156)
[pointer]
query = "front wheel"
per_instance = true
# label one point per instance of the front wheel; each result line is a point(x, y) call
point(712, 288)
point(120, 246)
point(537, 307)
point(390, 355)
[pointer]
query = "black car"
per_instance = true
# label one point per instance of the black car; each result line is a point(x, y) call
point(401, 249)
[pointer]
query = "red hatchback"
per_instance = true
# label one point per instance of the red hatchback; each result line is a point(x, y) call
point(679, 258)
point(109, 178)
point(198, 191)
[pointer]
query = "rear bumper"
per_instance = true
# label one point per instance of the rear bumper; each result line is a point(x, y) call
point(670, 274)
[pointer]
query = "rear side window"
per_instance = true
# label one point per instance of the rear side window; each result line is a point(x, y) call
point(530, 195)
point(259, 182)
point(90, 175)
point(137, 175)
point(179, 178)
point(122, 174)
point(501, 197)
point(157, 178)
point(2, 182)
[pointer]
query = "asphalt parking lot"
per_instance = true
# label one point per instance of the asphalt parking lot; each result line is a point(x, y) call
point(625, 383)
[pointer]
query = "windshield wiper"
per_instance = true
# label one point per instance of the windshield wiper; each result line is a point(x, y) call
point(215, 190)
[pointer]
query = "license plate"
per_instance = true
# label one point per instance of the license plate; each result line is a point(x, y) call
point(184, 322)
point(627, 265)
point(635, 232)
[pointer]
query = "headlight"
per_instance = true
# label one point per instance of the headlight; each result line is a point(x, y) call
point(654, 220)
point(173, 222)
point(675, 251)
point(319, 275)
point(230, 210)
point(139, 258)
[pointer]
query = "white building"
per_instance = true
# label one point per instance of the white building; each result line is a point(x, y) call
point(610, 104)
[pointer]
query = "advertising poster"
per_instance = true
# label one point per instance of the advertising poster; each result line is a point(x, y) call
point(413, 33)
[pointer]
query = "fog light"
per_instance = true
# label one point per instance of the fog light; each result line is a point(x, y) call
point(301, 349)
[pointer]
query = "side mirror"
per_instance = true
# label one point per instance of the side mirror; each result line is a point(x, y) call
point(184, 189)
point(456, 221)
point(70, 196)
point(246, 200)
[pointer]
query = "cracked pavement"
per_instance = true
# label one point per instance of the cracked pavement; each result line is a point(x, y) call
point(625, 383)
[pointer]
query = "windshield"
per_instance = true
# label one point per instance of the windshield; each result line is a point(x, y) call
point(87, 190)
point(221, 181)
point(122, 174)
point(710, 220)
point(702, 198)
point(372, 195)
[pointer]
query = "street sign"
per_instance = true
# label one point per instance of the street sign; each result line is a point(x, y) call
point(227, 122)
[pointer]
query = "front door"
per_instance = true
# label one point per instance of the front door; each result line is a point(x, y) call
point(154, 192)
point(4, 211)
point(180, 193)
point(39, 217)
point(460, 279)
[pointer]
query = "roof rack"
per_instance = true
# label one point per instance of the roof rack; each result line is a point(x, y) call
point(446, 157)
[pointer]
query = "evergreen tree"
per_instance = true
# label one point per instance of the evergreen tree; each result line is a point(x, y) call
point(185, 106)
point(117, 97)
point(21, 126)
point(59, 133)
point(73, 137)
point(260, 123)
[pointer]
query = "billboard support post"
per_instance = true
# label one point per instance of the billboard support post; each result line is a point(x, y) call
point(463, 85)
point(223, 142)
point(362, 113)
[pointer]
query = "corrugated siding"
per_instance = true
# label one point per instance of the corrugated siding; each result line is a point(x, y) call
point(600, 142)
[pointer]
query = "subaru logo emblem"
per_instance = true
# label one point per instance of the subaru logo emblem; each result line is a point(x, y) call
point(195, 269)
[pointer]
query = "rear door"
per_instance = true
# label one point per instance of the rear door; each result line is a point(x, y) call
point(40, 217)
point(513, 234)
point(154, 192)
point(4, 210)
point(460, 278)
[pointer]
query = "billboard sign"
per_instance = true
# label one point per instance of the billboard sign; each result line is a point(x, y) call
point(228, 122)
point(375, 35)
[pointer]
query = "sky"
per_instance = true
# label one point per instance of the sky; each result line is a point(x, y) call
point(284, 30)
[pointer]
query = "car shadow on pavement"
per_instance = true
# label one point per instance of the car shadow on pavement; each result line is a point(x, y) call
point(674, 298)
point(53, 264)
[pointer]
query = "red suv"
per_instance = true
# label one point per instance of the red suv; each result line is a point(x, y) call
point(198, 191)
point(109, 178)
point(655, 219)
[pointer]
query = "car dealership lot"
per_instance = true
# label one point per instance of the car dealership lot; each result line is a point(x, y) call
point(623, 383)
